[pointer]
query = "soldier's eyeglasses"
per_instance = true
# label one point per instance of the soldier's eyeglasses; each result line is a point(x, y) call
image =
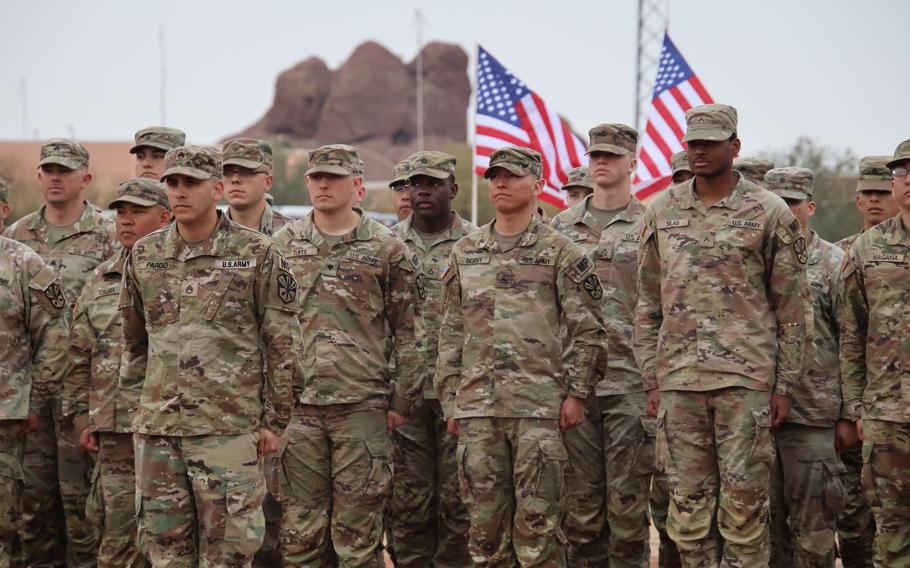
point(899, 173)
point(241, 172)
point(426, 184)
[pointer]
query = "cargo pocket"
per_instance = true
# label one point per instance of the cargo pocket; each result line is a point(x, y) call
point(661, 444)
point(868, 476)
point(645, 458)
point(464, 481)
point(217, 295)
point(276, 479)
point(551, 480)
point(762, 444)
point(244, 522)
point(834, 491)
point(378, 482)
point(94, 503)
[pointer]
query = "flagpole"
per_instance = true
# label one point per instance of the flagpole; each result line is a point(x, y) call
point(473, 126)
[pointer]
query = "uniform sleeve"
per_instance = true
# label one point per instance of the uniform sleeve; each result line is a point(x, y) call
point(854, 325)
point(581, 301)
point(451, 340)
point(404, 292)
point(82, 339)
point(47, 334)
point(279, 329)
point(791, 301)
point(134, 359)
point(648, 310)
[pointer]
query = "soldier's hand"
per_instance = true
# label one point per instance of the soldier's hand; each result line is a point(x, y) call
point(268, 443)
point(88, 440)
point(859, 430)
point(452, 427)
point(653, 402)
point(571, 414)
point(30, 424)
point(394, 420)
point(845, 435)
point(780, 409)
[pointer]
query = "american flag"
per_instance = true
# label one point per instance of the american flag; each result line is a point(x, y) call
point(676, 89)
point(511, 114)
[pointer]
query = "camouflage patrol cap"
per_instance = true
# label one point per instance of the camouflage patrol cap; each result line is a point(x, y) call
point(790, 183)
point(874, 175)
point(753, 169)
point(579, 177)
point(338, 159)
point(141, 191)
point(4, 191)
point(713, 122)
point(400, 175)
point(160, 137)
point(901, 153)
point(247, 153)
point(439, 165)
point(64, 152)
point(613, 138)
point(517, 160)
point(680, 163)
point(198, 162)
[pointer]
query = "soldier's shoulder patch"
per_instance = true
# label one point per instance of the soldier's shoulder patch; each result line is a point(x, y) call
point(415, 261)
point(55, 295)
point(591, 284)
point(801, 250)
point(580, 268)
point(421, 281)
point(284, 264)
point(287, 287)
point(43, 278)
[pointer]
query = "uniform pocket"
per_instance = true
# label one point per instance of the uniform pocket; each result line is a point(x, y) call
point(551, 469)
point(379, 480)
point(244, 523)
point(834, 491)
point(464, 482)
point(94, 503)
point(661, 444)
point(762, 444)
point(645, 457)
point(868, 475)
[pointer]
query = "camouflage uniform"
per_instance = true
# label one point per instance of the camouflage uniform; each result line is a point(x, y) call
point(429, 522)
point(618, 448)
point(159, 137)
point(722, 319)
point(255, 155)
point(753, 169)
point(31, 366)
point(57, 471)
point(874, 330)
point(806, 479)
point(503, 375)
point(209, 336)
point(358, 310)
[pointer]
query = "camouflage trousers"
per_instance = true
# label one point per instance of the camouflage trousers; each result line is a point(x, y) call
point(336, 475)
point(807, 494)
point(269, 555)
point(58, 476)
point(855, 525)
point(10, 488)
point(512, 477)
point(886, 477)
point(116, 480)
point(200, 499)
point(717, 450)
point(585, 521)
point(667, 556)
point(428, 521)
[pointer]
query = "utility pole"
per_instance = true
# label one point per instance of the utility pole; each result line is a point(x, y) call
point(162, 95)
point(653, 20)
point(24, 88)
point(419, 22)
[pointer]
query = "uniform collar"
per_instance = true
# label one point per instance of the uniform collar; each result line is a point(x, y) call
point(897, 233)
point(688, 199)
point(453, 233)
point(487, 241)
point(86, 222)
point(815, 248)
point(214, 245)
point(309, 232)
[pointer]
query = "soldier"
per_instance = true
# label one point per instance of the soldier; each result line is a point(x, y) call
point(359, 291)
point(73, 238)
point(31, 367)
point(721, 335)
point(681, 170)
point(507, 389)
point(429, 522)
point(615, 446)
point(210, 331)
point(90, 394)
point(753, 169)
point(806, 478)
point(874, 330)
point(398, 185)
point(151, 144)
point(873, 195)
point(248, 178)
point(579, 186)
point(5, 209)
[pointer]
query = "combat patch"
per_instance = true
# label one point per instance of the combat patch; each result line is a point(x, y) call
point(55, 294)
point(672, 223)
point(592, 285)
point(883, 257)
point(747, 224)
point(364, 258)
point(236, 263)
point(287, 288)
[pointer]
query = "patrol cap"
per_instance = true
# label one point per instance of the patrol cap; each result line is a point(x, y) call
point(160, 137)
point(141, 191)
point(198, 162)
point(874, 175)
point(517, 160)
point(249, 153)
point(901, 153)
point(338, 159)
point(613, 138)
point(399, 174)
point(439, 165)
point(64, 152)
point(790, 183)
point(680, 163)
point(753, 169)
point(713, 122)
point(579, 177)
point(4, 191)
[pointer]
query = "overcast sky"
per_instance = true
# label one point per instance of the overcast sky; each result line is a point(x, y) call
point(833, 70)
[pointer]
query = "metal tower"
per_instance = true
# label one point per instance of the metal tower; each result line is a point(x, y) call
point(653, 19)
